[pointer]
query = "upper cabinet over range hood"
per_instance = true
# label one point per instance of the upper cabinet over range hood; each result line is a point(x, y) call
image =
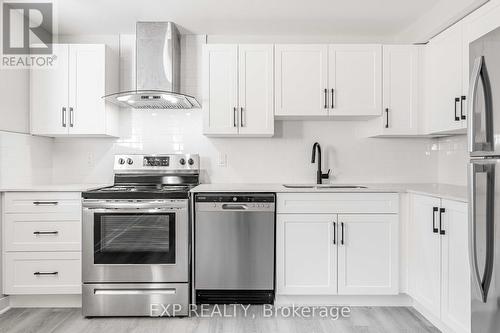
point(157, 70)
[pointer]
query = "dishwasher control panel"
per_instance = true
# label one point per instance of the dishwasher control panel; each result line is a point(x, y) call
point(235, 202)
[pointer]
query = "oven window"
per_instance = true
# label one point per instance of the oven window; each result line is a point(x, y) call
point(131, 238)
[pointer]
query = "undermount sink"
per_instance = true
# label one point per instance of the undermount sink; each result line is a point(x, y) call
point(324, 186)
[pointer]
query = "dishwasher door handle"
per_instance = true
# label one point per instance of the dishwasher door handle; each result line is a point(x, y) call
point(234, 207)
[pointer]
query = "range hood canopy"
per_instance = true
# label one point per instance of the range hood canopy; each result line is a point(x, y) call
point(157, 70)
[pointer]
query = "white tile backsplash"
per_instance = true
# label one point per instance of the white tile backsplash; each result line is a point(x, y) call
point(452, 160)
point(283, 158)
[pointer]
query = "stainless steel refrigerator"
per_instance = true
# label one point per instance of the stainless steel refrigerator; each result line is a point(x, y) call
point(484, 181)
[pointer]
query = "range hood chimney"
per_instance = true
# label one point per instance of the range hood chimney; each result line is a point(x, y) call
point(157, 69)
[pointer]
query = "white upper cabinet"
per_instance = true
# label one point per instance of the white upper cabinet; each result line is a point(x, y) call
point(67, 99)
point(368, 254)
point(238, 90)
point(401, 90)
point(355, 79)
point(301, 85)
point(49, 95)
point(328, 80)
point(220, 89)
point(256, 86)
point(445, 105)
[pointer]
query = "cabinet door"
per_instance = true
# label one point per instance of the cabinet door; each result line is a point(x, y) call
point(49, 95)
point(256, 85)
point(368, 254)
point(86, 88)
point(301, 80)
point(455, 282)
point(444, 81)
point(355, 74)
point(220, 89)
point(306, 262)
point(401, 85)
point(425, 272)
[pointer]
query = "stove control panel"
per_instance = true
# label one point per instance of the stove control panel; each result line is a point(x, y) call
point(156, 162)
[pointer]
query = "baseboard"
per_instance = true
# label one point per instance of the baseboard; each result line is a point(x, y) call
point(386, 300)
point(45, 301)
point(434, 320)
point(4, 304)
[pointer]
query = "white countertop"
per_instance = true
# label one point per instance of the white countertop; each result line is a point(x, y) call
point(445, 191)
point(53, 188)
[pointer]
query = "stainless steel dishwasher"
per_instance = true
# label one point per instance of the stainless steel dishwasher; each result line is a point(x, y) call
point(234, 248)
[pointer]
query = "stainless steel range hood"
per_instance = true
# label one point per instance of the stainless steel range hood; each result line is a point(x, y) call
point(158, 59)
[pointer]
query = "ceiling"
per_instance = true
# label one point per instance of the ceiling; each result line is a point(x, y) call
point(380, 18)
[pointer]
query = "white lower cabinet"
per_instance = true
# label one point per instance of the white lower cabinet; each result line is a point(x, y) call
point(337, 254)
point(41, 243)
point(42, 273)
point(439, 269)
point(307, 263)
point(368, 254)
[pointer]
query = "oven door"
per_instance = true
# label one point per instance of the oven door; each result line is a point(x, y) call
point(141, 241)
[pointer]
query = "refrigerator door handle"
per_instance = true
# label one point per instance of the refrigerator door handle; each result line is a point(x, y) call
point(483, 284)
point(479, 71)
point(476, 278)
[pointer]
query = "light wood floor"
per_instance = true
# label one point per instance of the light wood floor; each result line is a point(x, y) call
point(362, 319)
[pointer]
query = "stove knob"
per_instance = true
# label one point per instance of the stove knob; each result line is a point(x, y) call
point(191, 161)
point(182, 161)
point(121, 161)
point(130, 161)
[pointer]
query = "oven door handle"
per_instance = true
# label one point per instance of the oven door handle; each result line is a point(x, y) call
point(168, 291)
point(131, 206)
point(128, 211)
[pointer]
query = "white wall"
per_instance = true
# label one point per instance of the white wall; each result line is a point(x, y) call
point(24, 160)
point(283, 158)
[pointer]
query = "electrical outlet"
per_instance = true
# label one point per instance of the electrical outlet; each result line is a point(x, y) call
point(222, 160)
point(90, 160)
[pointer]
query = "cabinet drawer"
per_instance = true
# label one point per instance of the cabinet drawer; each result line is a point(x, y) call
point(332, 203)
point(42, 202)
point(42, 273)
point(42, 232)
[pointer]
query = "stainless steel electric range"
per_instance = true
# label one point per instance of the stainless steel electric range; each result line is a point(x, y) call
point(135, 251)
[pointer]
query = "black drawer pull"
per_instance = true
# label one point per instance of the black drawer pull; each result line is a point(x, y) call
point(39, 203)
point(45, 232)
point(45, 273)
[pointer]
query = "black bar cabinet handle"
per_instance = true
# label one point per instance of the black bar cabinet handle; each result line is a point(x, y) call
point(334, 233)
point(434, 211)
point(342, 239)
point(45, 232)
point(462, 114)
point(45, 273)
point(441, 230)
point(333, 98)
point(386, 117)
point(326, 98)
point(457, 100)
point(51, 203)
